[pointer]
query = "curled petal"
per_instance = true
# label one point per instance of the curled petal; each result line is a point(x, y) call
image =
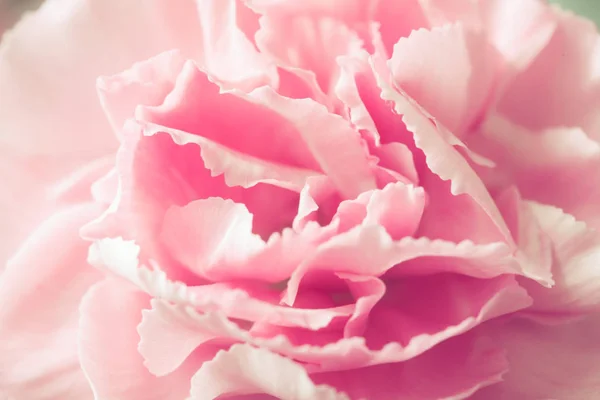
point(446, 162)
point(211, 236)
point(575, 269)
point(227, 53)
point(454, 94)
point(145, 83)
point(108, 351)
point(244, 369)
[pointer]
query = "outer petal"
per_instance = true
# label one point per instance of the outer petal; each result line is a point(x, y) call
point(40, 292)
point(145, 83)
point(51, 60)
point(531, 22)
point(247, 370)
point(575, 267)
point(452, 370)
point(551, 172)
point(108, 340)
point(547, 362)
point(455, 94)
point(560, 87)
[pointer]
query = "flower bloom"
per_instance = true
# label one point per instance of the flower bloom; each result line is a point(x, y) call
point(255, 199)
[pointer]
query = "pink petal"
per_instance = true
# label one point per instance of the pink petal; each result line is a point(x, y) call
point(440, 12)
point(547, 362)
point(191, 108)
point(551, 172)
point(250, 302)
point(212, 237)
point(454, 370)
point(531, 26)
point(576, 251)
point(227, 53)
point(399, 158)
point(397, 208)
point(297, 83)
point(535, 250)
point(367, 291)
point(40, 290)
point(369, 250)
point(195, 104)
point(311, 43)
point(238, 169)
point(145, 83)
point(561, 83)
point(195, 329)
point(51, 60)
point(147, 162)
point(398, 19)
point(167, 338)
point(433, 308)
point(34, 187)
point(447, 164)
point(449, 71)
point(108, 351)
point(319, 201)
point(354, 69)
point(244, 369)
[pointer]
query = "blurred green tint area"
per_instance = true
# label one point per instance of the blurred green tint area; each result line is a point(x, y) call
point(587, 8)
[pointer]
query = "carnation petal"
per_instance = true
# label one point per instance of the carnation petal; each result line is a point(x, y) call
point(547, 362)
point(237, 168)
point(449, 71)
point(40, 290)
point(369, 250)
point(535, 251)
point(145, 83)
point(211, 236)
point(260, 112)
point(551, 172)
point(33, 187)
point(531, 27)
point(196, 105)
point(432, 375)
point(108, 351)
point(560, 86)
point(445, 162)
point(244, 369)
point(422, 311)
point(155, 173)
point(575, 267)
point(345, 353)
point(310, 42)
point(51, 59)
point(227, 53)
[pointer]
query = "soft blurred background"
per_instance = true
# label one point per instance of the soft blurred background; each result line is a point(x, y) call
point(10, 10)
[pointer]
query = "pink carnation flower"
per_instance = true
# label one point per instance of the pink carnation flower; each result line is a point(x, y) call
point(317, 199)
